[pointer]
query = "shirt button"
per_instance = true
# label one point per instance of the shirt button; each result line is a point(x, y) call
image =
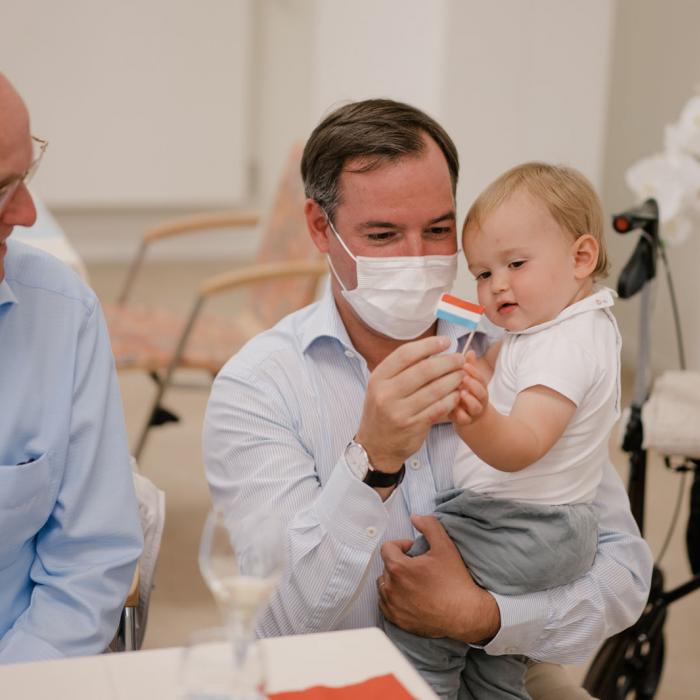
point(415, 464)
point(510, 650)
point(349, 353)
point(372, 531)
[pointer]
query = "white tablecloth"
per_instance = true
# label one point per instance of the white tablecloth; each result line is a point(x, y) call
point(330, 658)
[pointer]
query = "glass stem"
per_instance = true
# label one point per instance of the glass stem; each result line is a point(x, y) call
point(242, 634)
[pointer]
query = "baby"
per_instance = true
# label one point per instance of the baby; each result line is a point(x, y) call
point(534, 443)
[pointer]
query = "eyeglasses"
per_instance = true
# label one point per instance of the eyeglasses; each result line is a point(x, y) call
point(7, 191)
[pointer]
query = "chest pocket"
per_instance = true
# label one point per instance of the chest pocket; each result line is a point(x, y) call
point(25, 503)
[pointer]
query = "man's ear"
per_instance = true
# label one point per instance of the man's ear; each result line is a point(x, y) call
point(317, 223)
point(585, 251)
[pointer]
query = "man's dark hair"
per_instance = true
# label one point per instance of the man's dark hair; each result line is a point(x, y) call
point(379, 130)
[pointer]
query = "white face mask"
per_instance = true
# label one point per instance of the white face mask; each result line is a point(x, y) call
point(397, 296)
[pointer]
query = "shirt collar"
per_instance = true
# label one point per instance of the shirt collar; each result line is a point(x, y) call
point(325, 322)
point(602, 298)
point(6, 294)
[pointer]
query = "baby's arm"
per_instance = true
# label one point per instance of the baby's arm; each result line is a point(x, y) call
point(487, 362)
point(510, 443)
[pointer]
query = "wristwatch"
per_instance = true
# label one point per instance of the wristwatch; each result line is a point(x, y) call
point(359, 464)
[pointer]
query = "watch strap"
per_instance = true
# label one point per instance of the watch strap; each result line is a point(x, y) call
point(378, 479)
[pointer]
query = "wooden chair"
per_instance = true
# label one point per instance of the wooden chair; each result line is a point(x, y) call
point(128, 623)
point(284, 277)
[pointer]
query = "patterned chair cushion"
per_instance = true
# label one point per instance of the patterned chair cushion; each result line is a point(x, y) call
point(146, 339)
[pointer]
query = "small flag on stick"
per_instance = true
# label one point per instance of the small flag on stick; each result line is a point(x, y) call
point(463, 313)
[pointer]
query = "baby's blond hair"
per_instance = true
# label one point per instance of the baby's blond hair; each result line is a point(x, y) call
point(567, 194)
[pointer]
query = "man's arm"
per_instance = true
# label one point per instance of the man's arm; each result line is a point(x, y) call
point(433, 594)
point(87, 550)
point(256, 459)
point(563, 625)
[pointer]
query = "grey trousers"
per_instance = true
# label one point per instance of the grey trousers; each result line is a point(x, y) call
point(510, 547)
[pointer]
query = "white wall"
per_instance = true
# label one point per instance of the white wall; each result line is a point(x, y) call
point(485, 70)
point(527, 80)
point(510, 79)
point(281, 100)
point(145, 103)
point(391, 48)
point(588, 82)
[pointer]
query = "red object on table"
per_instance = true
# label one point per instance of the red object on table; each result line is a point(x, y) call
point(380, 688)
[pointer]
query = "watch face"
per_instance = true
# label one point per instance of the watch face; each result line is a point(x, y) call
point(356, 459)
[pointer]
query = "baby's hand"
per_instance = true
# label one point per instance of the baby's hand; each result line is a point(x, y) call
point(473, 395)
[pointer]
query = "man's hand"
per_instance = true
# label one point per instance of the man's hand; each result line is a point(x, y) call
point(409, 391)
point(473, 394)
point(433, 594)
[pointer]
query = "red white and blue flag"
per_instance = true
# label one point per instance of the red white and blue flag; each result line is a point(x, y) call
point(456, 310)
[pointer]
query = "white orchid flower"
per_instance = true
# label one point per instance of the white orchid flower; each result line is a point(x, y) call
point(677, 230)
point(674, 140)
point(688, 127)
point(656, 177)
point(672, 178)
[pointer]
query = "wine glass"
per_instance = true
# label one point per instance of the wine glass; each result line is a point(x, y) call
point(241, 560)
point(206, 671)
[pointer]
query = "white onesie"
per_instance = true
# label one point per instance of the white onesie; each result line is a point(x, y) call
point(578, 355)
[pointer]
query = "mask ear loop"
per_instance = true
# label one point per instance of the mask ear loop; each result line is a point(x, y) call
point(338, 236)
point(335, 274)
point(345, 248)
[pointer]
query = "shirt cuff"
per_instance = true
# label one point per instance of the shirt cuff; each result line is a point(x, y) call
point(351, 511)
point(523, 621)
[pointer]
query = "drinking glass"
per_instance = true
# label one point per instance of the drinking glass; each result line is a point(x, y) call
point(206, 670)
point(241, 561)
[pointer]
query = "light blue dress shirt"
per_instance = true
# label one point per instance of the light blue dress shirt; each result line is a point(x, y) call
point(279, 417)
point(69, 529)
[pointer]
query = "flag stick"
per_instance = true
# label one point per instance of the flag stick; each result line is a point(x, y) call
point(468, 343)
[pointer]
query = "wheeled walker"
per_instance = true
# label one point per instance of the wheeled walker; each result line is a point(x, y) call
point(629, 665)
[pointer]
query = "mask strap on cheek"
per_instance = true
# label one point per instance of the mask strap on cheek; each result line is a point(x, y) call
point(340, 240)
point(345, 248)
point(335, 274)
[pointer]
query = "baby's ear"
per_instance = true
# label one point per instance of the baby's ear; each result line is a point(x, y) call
point(585, 250)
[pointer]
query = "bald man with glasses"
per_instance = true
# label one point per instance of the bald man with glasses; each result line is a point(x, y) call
point(70, 533)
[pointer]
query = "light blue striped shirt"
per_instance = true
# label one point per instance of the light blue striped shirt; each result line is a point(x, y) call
point(69, 528)
point(279, 417)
